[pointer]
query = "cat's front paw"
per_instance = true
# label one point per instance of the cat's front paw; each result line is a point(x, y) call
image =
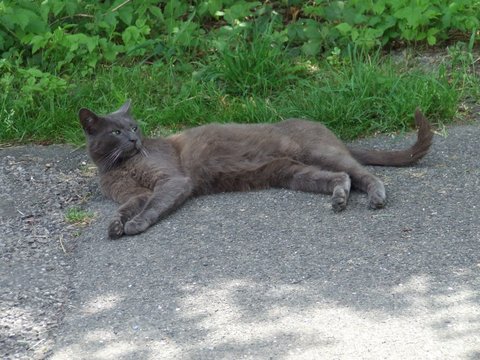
point(136, 226)
point(115, 229)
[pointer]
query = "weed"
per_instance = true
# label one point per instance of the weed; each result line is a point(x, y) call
point(66, 37)
point(255, 66)
point(77, 216)
point(464, 70)
point(354, 96)
point(190, 63)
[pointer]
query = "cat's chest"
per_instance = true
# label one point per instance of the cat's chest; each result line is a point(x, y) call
point(149, 172)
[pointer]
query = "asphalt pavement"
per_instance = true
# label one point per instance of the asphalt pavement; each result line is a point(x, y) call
point(277, 274)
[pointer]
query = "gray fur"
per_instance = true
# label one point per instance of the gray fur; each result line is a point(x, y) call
point(149, 178)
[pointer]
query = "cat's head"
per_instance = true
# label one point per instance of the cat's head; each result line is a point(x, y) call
point(111, 138)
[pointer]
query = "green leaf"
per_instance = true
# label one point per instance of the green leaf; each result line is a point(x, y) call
point(239, 10)
point(335, 10)
point(110, 50)
point(431, 38)
point(37, 25)
point(344, 28)
point(71, 7)
point(111, 20)
point(133, 35)
point(92, 61)
point(378, 7)
point(446, 19)
point(126, 14)
point(39, 41)
point(312, 31)
point(91, 43)
point(214, 6)
point(44, 10)
point(314, 10)
point(411, 14)
point(21, 17)
point(33, 72)
point(312, 47)
point(174, 9)
point(354, 35)
point(57, 7)
point(156, 11)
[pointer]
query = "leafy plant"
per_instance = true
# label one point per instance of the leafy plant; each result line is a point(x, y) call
point(22, 91)
point(73, 36)
point(251, 66)
point(187, 63)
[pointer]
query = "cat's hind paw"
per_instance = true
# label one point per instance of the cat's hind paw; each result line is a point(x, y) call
point(115, 229)
point(340, 194)
point(339, 202)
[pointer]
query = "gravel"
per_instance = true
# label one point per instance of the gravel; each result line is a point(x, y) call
point(38, 184)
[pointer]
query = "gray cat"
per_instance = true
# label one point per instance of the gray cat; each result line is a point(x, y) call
point(152, 177)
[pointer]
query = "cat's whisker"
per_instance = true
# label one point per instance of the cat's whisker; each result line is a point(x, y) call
point(104, 158)
point(110, 159)
point(115, 158)
point(109, 156)
point(144, 152)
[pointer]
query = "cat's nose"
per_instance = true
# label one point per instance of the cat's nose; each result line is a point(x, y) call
point(136, 143)
point(133, 139)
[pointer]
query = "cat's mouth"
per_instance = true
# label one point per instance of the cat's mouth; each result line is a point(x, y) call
point(137, 148)
point(134, 150)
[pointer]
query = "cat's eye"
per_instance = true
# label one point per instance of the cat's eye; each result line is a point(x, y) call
point(116, 132)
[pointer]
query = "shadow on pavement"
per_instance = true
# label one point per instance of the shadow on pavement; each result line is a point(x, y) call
point(276, 274)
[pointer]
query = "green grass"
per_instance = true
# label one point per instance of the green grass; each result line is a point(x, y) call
point(78, 216)
point(247, 82)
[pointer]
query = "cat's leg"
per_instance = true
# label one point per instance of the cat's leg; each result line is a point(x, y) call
point(134, 201)
point(312, 179)
point(365, 181)
point(361, 178)
point(166, 196)
point(369, 183)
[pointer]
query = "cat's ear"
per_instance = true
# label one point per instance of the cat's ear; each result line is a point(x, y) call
point(125, 107)
point(89, 120)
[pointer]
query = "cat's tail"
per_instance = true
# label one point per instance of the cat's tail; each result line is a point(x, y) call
point(399, 157)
